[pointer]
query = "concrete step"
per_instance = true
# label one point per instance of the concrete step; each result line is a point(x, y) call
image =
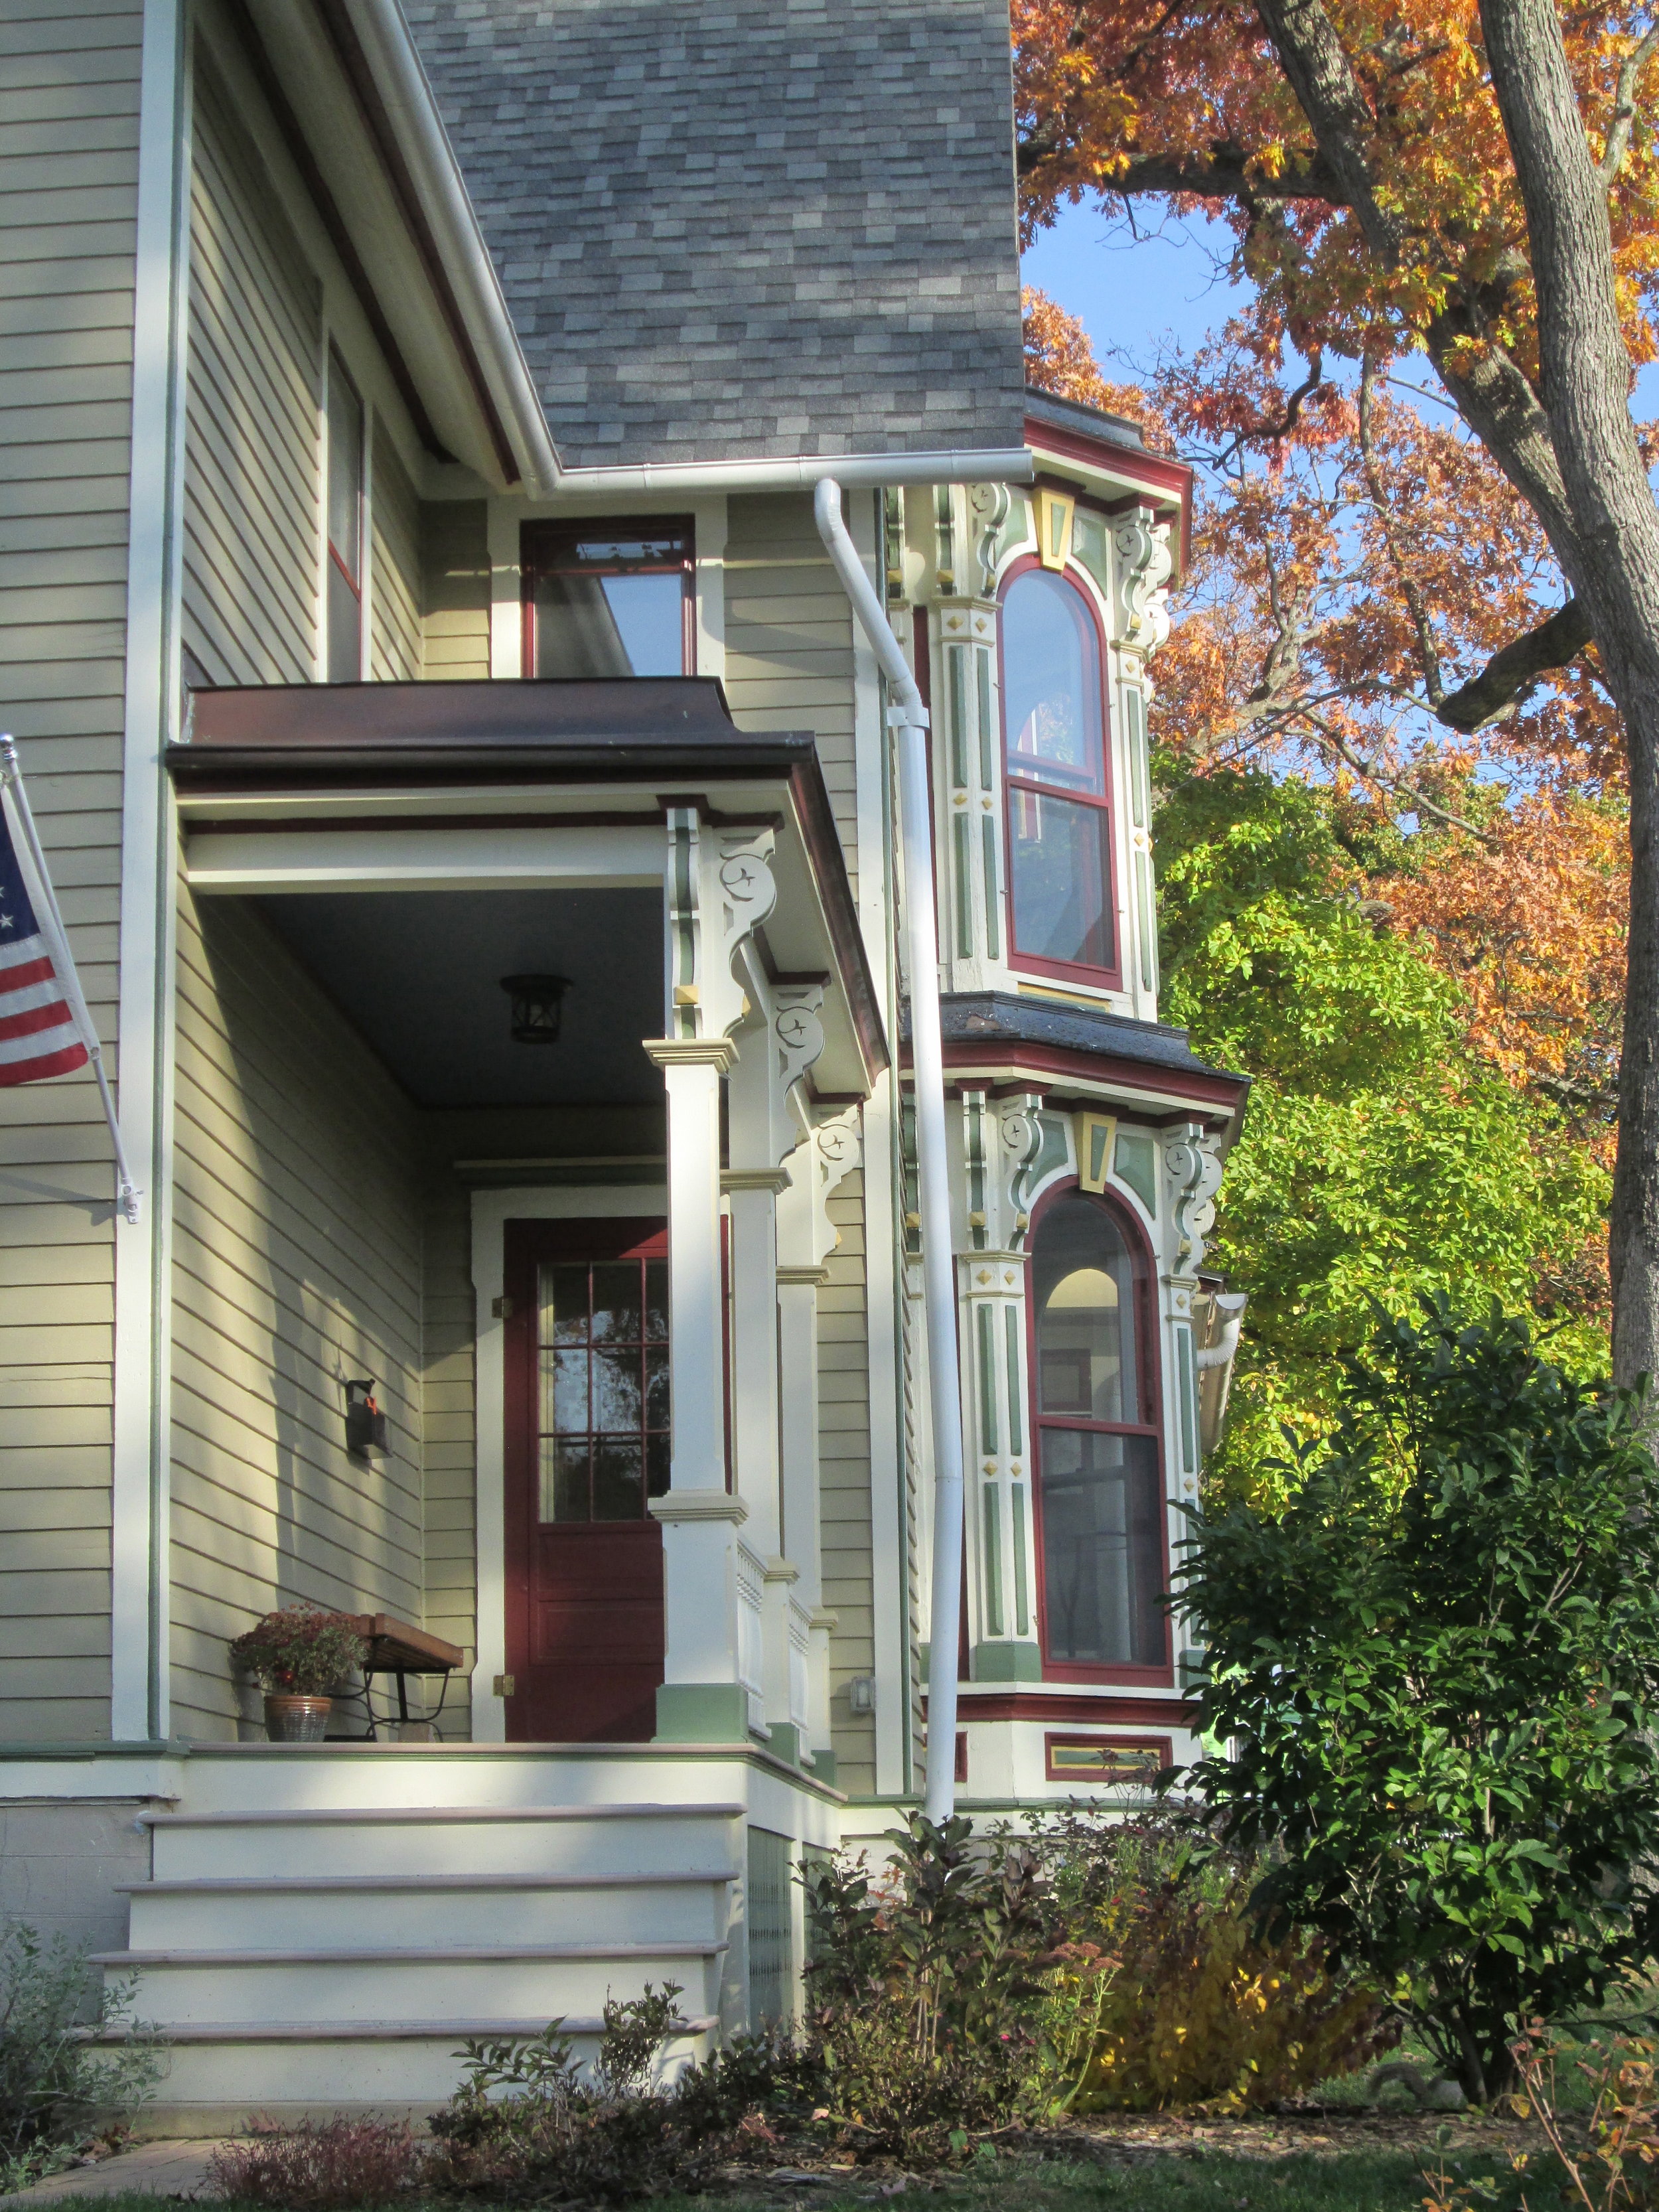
point(330, 1912)
point(218, 2072)
point(421, 1840)
point(431, 1981)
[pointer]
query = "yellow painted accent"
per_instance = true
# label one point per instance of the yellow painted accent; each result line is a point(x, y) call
point(1094, 1134)
point(1055, 513)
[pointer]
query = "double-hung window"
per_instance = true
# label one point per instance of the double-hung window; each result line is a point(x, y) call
point(1062, 907)
point(609, 599)
point(345, 597)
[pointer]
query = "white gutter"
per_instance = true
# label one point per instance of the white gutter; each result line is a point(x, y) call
point(909, 717)
point(424, 145)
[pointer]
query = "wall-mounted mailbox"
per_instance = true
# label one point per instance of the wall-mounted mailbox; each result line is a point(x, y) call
point(365, 1422)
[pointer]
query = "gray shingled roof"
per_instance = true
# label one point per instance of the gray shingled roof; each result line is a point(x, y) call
point(734, 227)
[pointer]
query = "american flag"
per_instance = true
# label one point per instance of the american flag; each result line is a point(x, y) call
point(42, 1012)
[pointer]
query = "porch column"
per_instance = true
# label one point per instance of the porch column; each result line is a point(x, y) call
point(703, 1697)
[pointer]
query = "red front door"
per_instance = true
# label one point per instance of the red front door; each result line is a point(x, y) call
point(586, 1449)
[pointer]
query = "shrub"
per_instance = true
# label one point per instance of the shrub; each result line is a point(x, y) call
point(319, 2165)
point(300, 1651)
point(1439, 1666)
point(1199, 2010)
point(54, 2084)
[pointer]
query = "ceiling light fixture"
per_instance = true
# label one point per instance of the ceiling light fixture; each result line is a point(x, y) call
point(537, 1001)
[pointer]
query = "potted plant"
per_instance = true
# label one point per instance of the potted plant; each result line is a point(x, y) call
point(296, 1657)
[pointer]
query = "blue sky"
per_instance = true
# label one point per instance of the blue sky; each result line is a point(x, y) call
point(1133, 293)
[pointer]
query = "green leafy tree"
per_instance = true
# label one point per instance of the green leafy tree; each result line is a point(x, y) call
point(1435, 1667)
point(1380, 1162)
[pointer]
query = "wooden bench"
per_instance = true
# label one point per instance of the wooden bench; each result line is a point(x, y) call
point(397, 1649)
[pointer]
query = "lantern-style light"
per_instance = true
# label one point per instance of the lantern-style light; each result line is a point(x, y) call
point(536, 1000)
point(365, 1421)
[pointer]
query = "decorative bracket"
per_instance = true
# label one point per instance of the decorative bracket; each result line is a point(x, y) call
point(722, 882)
point(987, 508)
point(1022, 1141)
point(1195, 1175)
point(1143, 566)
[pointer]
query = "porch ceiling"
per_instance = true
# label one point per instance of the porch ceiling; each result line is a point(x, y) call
point(419, 974)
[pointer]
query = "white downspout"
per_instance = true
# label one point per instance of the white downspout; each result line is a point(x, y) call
point(910, 718)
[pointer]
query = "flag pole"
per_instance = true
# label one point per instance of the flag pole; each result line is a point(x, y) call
point(51, 924)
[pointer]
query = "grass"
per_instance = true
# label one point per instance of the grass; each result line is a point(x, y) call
point(1347, 2181)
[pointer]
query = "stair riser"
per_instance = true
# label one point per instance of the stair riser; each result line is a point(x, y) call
point(269, 2077)
point(484, 1846)
point(417, 1989)
point(264, 1920)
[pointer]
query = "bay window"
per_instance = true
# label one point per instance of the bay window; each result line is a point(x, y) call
point(1100, 1486)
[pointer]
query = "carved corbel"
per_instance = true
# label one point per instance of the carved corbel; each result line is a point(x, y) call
point(987, 509)
point(796, 1042)
point(718, 890)
point(1022, 1141)
point(1194, 1177)
point(1144, 563)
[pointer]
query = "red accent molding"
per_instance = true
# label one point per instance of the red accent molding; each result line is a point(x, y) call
point(1095, 1067)
point(1103, 1710)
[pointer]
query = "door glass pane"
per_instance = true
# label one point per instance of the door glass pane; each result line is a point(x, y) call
point(1060, 872)
point(618, 1485)
point(617, 1302)
point(1102, 1548)
point(617, 1392)
point(1051, 684)
point(1083, 1283)
point(603, 1396)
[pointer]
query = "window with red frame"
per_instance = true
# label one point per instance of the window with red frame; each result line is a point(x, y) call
point(1100, 1488)
point(609, 599)
point(1060, 853)
point(345, 526)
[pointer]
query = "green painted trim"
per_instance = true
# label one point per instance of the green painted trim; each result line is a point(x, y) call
point(992, 1557)
point(702, 1712)
point(1011, 1347)
point(1136, 1164)
point(983, 659)
point(1185, 1393)
point(993, 928)
point(958, 733)
point(1145, 907)
point(1005, 1662)
point(1022, 1611)
point(964, 890)
point(988, 1381)
point(823, 1768)
point(126, 1747)
point(786, 1742)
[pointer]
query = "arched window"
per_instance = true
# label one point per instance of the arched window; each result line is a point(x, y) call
point(1100, 1489)
point(1059, 860)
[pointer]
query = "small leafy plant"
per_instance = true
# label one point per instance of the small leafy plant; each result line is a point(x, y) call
point(319, 2165)
point(55, 2084)
point(300, 1651)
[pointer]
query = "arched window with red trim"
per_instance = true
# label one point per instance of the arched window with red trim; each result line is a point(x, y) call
point(1099, 1476)
point(1062, 911)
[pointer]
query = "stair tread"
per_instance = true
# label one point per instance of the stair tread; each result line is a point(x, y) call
point(671, 1947)
point(383, 1816)
point(232, 1885)
point(387, 2031)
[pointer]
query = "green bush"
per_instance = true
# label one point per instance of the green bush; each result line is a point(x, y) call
point(1438, 1666)
point(55, 2085)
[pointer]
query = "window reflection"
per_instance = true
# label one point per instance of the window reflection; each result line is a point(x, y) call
point(603, 1329)
point(1059, 865)
point(609, 600)
point(1099, 1485)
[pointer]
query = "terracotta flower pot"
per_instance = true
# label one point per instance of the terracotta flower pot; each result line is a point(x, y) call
point(296, 1720)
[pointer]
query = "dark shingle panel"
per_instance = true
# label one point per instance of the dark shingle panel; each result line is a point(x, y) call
point(751, 227)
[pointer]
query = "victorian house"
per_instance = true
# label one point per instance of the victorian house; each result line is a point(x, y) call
point(473, 794)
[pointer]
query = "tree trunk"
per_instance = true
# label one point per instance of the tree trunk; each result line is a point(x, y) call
point(1585, 375)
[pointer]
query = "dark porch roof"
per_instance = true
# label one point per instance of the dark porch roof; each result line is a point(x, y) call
point(672, 734)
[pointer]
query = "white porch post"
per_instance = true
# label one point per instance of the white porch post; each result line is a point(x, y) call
point(702, 1698)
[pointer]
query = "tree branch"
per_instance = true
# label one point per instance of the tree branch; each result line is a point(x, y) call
point(1623, 108)
point(1428, 652)
point(1510, 673)
point(1419, 800)
point(1319, 72)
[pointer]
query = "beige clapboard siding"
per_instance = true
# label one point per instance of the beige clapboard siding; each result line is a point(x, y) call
point(844, 1484)
point(69, 137)
point(252, 428)
point(449, 1434)
point(394, 613)
point(455, 626)
point(296, 1263)
point(789, 638)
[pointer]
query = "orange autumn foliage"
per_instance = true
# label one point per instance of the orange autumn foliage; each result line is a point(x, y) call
point(1342, 575)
